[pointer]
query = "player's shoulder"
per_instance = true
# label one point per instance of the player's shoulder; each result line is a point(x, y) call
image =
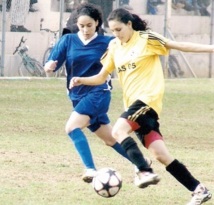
point(105, 38)
point(69, 36)
point(148, 33)
point(73, 37)
point(152, 35)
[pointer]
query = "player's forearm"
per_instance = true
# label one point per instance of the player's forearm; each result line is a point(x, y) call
point(190, 47)
point(93, 80)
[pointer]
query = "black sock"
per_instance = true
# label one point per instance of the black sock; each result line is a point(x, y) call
point(181, 173)
point(134, 154)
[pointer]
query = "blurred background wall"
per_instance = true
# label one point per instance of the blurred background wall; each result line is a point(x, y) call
point(185, 24)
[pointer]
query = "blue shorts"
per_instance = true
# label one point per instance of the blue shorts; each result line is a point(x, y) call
point(95, 105)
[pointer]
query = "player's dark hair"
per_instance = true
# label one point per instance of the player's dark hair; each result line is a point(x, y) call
point(91, 10)
point(124, 16)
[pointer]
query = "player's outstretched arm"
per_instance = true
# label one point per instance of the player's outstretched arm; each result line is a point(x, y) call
point(98, 79)
point(190, 47)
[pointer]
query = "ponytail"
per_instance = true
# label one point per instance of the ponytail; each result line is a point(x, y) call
point(124, 16)
point(138, 24)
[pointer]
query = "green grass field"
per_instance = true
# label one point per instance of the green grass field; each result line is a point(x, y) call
point(38, 163)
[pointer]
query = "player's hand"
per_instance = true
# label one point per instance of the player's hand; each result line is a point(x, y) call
point(75, 81)
point(50, 66)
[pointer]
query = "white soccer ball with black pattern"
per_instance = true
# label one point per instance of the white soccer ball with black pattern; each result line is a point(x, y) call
point(107, 183)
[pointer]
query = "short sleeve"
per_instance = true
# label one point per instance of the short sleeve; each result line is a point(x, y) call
point(156, 44)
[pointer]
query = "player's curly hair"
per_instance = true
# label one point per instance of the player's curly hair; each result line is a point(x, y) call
point(91, 10)
point(124, 16)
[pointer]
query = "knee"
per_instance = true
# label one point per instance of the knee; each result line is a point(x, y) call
point(119, 134)
point(115, 133)
point(69, 127)
point(163, 158)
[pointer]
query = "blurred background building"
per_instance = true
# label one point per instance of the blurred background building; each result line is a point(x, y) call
point(189, 20)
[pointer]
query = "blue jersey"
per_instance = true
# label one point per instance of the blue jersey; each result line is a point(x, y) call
point(81, 60)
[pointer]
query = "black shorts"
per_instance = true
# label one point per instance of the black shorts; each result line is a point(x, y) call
point(144, 116)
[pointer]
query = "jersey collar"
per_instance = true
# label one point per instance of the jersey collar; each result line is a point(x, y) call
point(85, 42)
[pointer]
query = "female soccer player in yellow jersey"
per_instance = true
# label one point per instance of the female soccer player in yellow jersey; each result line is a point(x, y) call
point(134, 53)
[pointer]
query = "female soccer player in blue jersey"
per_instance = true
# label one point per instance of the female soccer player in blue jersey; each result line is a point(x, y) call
point(82, 53)
point(134, 53)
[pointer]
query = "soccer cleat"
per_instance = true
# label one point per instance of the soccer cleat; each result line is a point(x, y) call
point(200, 195)
point(89, 175)
point(144, 179)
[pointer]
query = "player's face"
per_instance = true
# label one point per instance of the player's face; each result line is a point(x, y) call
point(87, 26)
point(120, 30)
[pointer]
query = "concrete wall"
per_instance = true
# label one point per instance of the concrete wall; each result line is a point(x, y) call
point(184, 28)
point(37, 41)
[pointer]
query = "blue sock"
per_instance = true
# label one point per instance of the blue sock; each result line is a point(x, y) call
point(82, 147)
point(117, 147)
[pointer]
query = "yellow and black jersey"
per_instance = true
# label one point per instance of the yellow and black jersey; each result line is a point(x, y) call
point(138, 67)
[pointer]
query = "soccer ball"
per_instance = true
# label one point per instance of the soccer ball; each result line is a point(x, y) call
point(107, 182)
